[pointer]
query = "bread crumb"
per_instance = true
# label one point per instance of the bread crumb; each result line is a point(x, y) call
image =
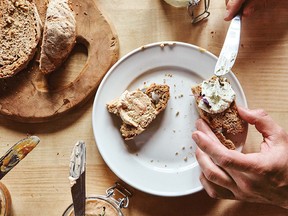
point(177, 113)
point(162, 45)
point(185, 159)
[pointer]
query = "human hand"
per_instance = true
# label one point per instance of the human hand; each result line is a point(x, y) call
point(248, 6)
point(255, 177)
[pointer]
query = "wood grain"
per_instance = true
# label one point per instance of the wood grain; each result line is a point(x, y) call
point(32, 97)
point(39, 184)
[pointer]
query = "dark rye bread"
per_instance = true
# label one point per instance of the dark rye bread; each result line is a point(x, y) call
point(20, 32)
point(223, 124)
point(159, 95)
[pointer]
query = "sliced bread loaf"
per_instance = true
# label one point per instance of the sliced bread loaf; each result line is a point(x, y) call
point(20, 32)
point(139, 108)
point(225, 123)
point(59, 35)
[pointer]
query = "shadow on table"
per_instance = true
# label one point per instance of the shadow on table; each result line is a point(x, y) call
point(198, 204)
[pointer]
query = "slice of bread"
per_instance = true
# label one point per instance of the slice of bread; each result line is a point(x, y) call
point(59, 35)
point(224, 124)
point(20, 32)
point(154, 98)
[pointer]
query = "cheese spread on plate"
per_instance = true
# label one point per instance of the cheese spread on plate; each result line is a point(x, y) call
point(135, 108)
point(217, 95)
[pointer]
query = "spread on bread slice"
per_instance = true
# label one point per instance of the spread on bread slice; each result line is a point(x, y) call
point(215, 101)
point(139, 108)
point(59, 35)
point(20, 32)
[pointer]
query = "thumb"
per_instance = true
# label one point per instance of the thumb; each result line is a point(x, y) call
point(232, 8)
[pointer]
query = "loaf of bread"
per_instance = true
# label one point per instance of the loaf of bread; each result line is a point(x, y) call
point(20, 32)
point(59, 35)
point(139, 108)
point(225, 123)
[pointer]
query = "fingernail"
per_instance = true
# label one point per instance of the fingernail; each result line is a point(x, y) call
point(195, 137)
point(227, 14)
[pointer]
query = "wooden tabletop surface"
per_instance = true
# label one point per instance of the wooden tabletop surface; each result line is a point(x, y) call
point(39, 184)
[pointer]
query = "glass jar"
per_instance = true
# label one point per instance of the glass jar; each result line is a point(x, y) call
point(177, 3)
point(196, 10)
point(106, 204)
point(5, 201)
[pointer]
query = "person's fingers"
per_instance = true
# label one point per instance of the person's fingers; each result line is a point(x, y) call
point(202, 126)
point(212, 172)
point(223, 157)
point(214, 190)
point(232, 8)
point(262, 121)
point(254, 5)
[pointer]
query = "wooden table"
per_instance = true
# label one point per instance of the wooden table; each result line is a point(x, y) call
point(39, 184)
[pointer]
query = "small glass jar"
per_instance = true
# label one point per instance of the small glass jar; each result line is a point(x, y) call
point(5, 201)
point(105, 204)
point(195, 10)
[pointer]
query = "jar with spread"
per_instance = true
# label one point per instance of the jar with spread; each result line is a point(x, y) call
point(105, 205)
point(5, 201)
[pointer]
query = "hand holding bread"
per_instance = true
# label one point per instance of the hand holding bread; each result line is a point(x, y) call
point(255, 177)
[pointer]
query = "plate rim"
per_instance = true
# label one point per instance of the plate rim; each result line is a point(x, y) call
point(103, 81)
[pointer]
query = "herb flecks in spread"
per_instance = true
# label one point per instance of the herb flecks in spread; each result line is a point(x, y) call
point(216, 96)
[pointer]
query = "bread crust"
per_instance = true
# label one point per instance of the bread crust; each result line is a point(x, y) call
point(59, 35)
point(128, 132)
point(223, 124)
point(20, 32)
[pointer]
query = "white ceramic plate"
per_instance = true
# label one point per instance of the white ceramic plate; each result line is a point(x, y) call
point(161, 160)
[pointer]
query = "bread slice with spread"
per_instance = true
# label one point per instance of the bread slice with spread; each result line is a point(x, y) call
point(20, 32)
point(139, 108)
point(216, 105)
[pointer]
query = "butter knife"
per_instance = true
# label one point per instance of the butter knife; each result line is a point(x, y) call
point(230, 48)
point(77, 177)
point(16, 153)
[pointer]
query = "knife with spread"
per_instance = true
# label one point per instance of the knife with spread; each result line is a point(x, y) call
point(16, 153)
point(77, 177)
point(230, 48)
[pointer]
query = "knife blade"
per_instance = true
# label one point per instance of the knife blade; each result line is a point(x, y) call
point(77, 177)
point(230, 48)
point(16, 153)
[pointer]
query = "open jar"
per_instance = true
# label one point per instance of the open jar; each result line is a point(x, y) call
point(196, 10)
point(106, 204)
point(5, 201)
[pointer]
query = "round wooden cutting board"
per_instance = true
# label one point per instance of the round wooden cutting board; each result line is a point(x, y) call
point(31, 97)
